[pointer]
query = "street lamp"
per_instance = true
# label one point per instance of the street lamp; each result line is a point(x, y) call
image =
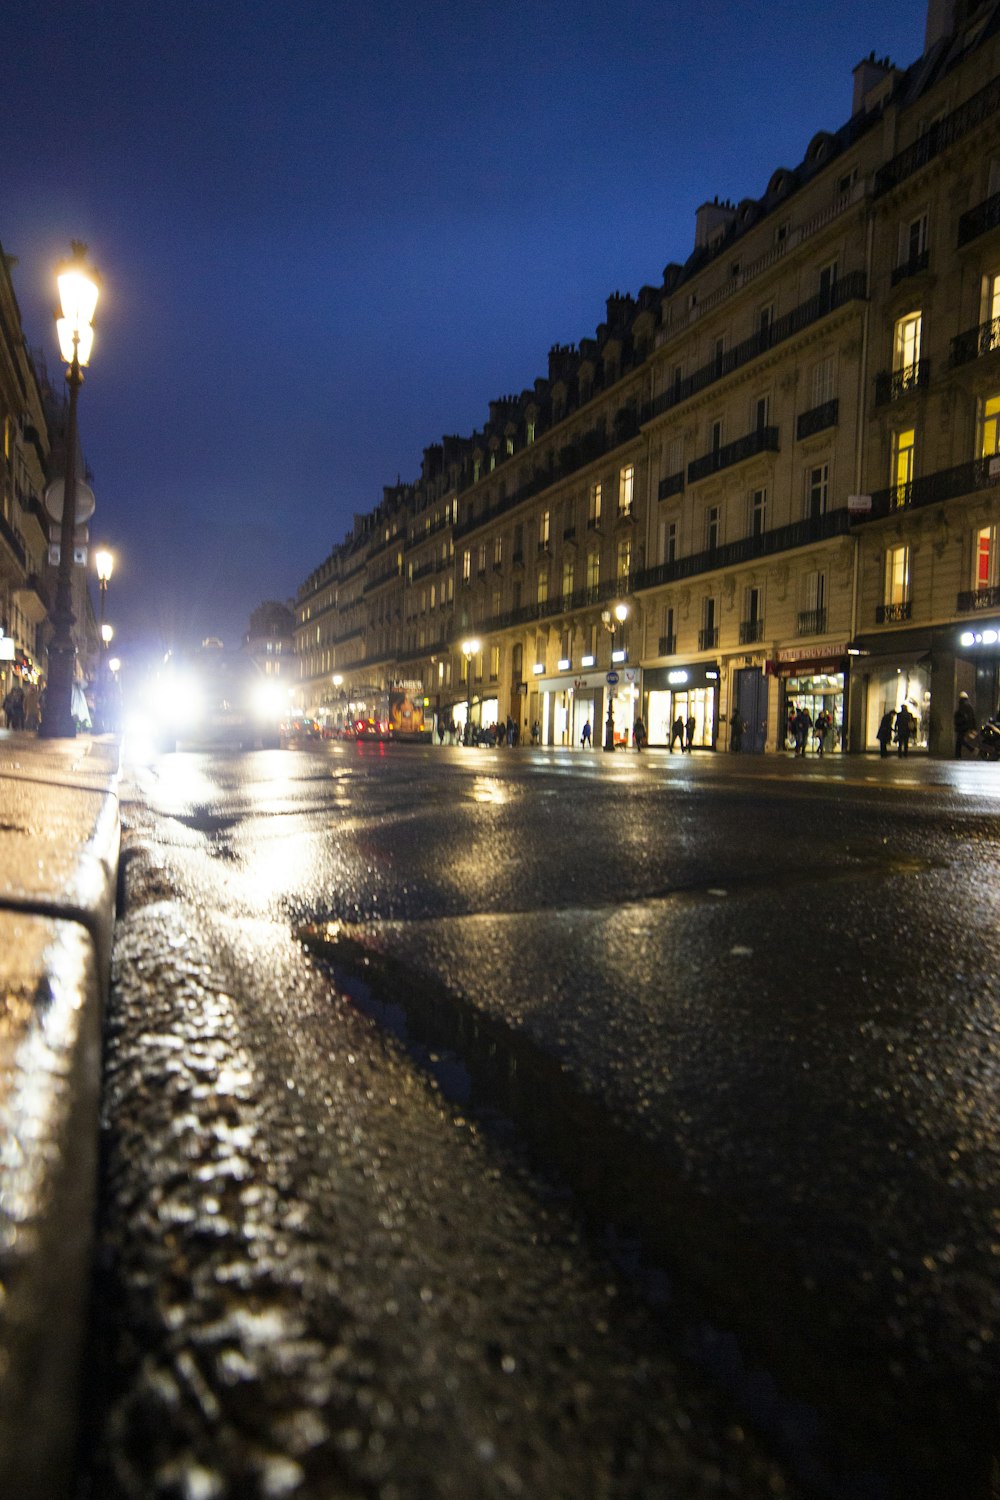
point(470, 648)
point(611, 619)
point(78, 291)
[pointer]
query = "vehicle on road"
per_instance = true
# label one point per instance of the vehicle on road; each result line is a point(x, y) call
point(212, 697)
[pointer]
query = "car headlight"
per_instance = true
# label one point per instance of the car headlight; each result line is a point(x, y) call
point(267, 701)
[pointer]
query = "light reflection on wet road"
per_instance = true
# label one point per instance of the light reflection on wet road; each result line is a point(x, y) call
point(748, 1007)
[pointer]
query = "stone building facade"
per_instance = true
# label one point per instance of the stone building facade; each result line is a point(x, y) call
point(782, 463)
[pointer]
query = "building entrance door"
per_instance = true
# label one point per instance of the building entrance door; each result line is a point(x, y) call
point(750, 700)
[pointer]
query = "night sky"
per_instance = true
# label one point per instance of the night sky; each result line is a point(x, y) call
point(331, 232)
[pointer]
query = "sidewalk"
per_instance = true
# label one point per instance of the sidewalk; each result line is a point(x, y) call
point(59, 839)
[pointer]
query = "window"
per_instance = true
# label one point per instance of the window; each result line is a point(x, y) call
point(759, 412)
point(902, 465)
point(985, 562)
point(713, 516)
point(466, 565)
point(567, 578)
point(758, 512)
point(494, 663)
point(823, 381)
point(668, 626)
point(817, 491)
point(753, 611)
point(510, 446)
point(626, 490)
point(543, 529)
point(897, 575)
point(718, 351)
point(708, 619)
point(531, 432)
point(716, 434)
point(827, 280)
point(493, 460)
point(593, 569)
point(497, 551)
point(482, 559)
point(906, 343)
point(765, 317)
point(989, 443)
point(668, 541)
point(542, 593)
point(594, 504)
point(913, 240)
point(815, 592)
point(624, 560)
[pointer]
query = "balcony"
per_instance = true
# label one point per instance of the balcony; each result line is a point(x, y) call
point(673, 484)
point(817, 419)
point(971, 600)
point(892, 614)
point(625, 515)
point(890, 385)
point(708, 638)
point(911, 267)
point(832, 523)
point(975, 342)
point(751, 631)
point(761, 440)
point(944, 484)
point(811, 622)
point(593, 523)
point(938, 137)
point(666, 645)
point(979, 220)
point(850, 288)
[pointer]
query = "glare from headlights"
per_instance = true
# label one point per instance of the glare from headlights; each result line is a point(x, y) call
point(267, 700)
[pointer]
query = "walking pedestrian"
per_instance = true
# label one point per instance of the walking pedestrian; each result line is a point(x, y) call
point(32, 714)
point(585, 737)
point(905, 725)
point(884, 732)
point(13, 707)
point(689, 732)
point(965, 722)
point(677, 734)
point(803, 724)
point(639, 734)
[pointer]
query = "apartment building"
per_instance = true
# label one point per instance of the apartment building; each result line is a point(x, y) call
point(769, 481)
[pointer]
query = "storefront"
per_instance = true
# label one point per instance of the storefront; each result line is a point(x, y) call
point(815, 681)
point(682, 692)
point(887, 672)
point(567, 702)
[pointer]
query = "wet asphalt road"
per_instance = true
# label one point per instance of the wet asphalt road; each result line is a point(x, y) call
point(744, 1008)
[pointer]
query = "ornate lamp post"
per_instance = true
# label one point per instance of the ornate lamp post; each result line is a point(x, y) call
point(78, 290)
point(611, 619)
point(470, 648)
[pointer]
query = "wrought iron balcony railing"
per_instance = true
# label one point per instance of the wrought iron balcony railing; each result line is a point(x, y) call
point(911, 267)
point(978, 220)
point(817, 419)
point(750, 631)
point(975, 342)
point(666, 645)
point(890, 385)
point(673, 484)
point(892, 614)
point(811, 622)
point(708, 638)
point(970, 600)
point(761, 440)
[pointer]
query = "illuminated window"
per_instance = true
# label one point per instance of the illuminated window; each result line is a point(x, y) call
point(902, 466)
point(497, 551)
point(593, 569)
point(494, 663)
point(567, 578)
point(624, 557)
point(897, 575)
point(990, 443)
point(510, 446)
point(594, 504)
point(543, 585)
point(466, 565)
point(986, 558)
point(531, 432)
point(493, 461)
point(543, 529)
point(626, 490)
point(906, 342)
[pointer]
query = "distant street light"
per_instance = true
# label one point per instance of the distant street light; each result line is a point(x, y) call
point(611, 619)
point(470, 648)
point(78, 291)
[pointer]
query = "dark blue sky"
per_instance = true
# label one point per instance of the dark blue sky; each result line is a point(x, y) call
point(330, 232)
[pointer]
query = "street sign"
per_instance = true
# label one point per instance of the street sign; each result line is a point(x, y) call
point(612, 678)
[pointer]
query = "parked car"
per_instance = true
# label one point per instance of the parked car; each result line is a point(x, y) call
point(214, 697)
point(300, 729)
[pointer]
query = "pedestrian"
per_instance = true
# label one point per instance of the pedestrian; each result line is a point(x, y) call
point(821, 729)
point(689, 732)
point(965, 723)
point(803, 724)
point(677, 734)
point(639, 734)
point(32, 714)
point(511, 731)
point(884, 732)
point(905, 725)
point(13, 707)
point(791, 738)
point(536, 733)
point(585, 737)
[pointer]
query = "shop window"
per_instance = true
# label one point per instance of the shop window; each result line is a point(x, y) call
point(758, 512)
point(897, 576)
point(817, 491)
point(626, 489)
point(989, 444)
point(985, 562)
point(906, 346)
point(902, 466)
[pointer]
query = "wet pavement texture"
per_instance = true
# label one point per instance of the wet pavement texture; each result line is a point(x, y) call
point(744, 1010)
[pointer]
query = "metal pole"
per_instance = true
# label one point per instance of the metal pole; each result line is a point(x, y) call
point(57, 720)
point(609, 726)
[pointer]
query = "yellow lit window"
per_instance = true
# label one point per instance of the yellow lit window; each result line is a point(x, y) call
point(897, 575)
point(543, 585)
point(567, 578)
point(990, 445)
point(624, 558)
point(626, 489)
point(906, 342)
point(902, 465)
point(593, 569)
point(594, 512)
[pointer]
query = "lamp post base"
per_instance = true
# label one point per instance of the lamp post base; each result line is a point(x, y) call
point(609, 734)
point(58, 722)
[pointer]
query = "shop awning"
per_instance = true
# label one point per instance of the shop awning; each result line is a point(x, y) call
point(890, 661)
